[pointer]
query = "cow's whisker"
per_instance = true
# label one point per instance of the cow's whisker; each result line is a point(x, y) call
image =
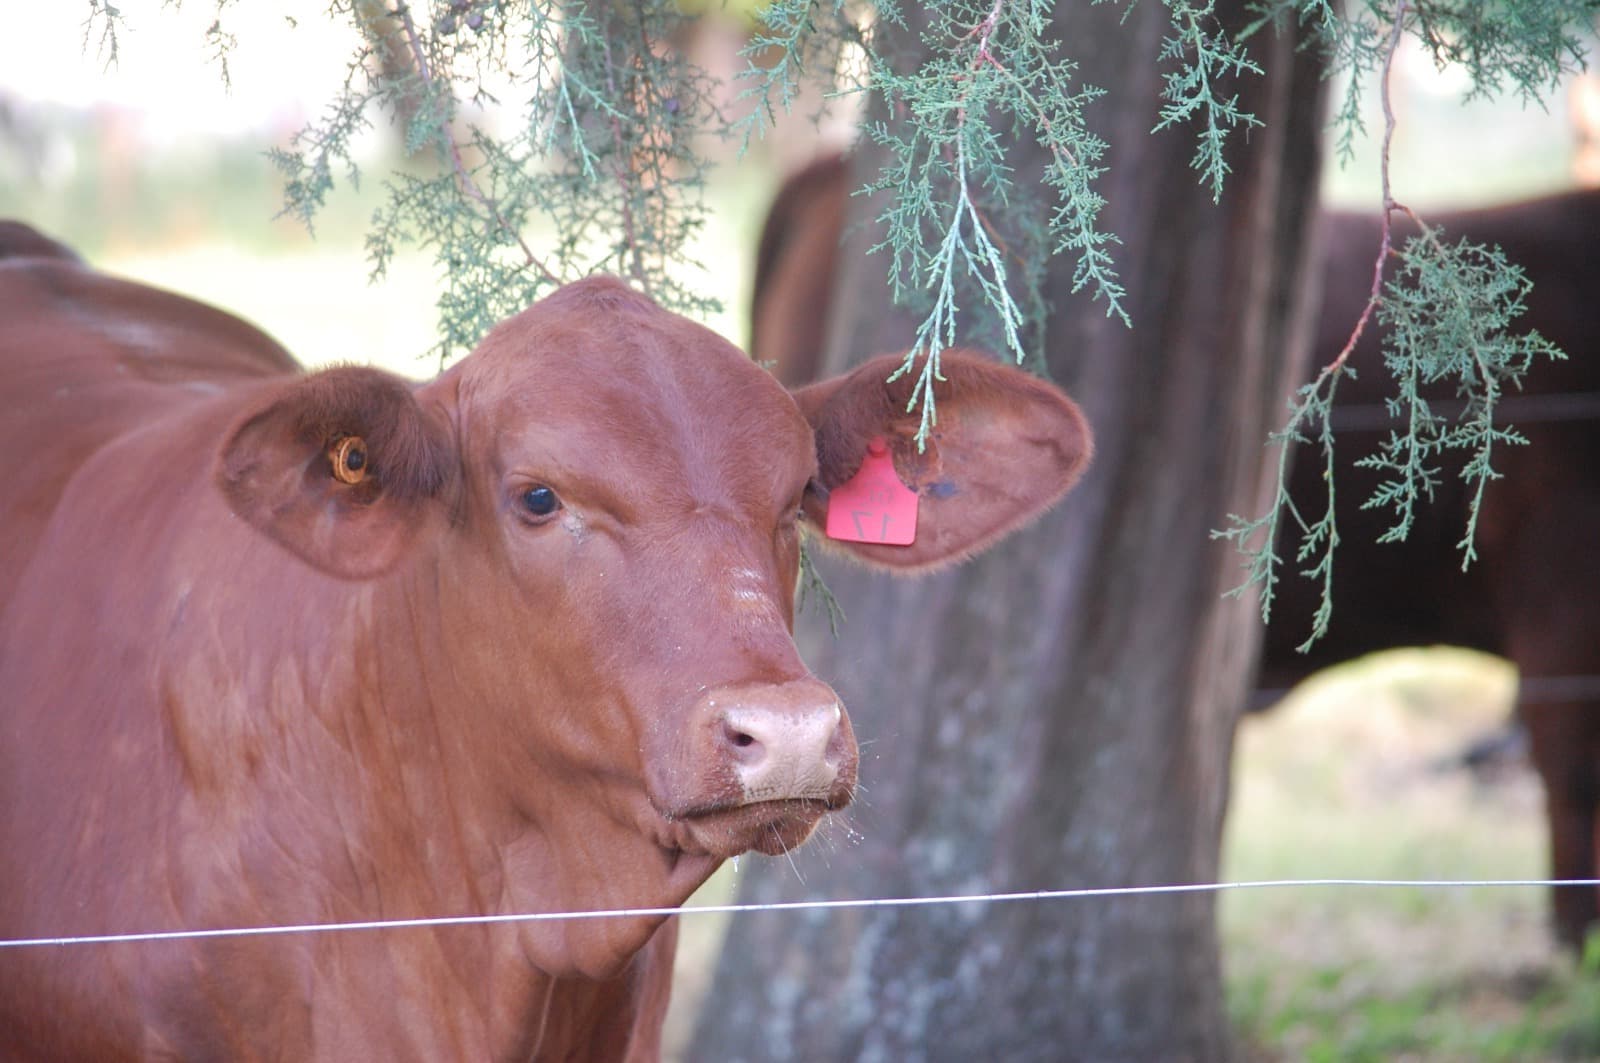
point(789, 855)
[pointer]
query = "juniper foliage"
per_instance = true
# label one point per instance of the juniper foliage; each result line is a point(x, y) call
point(1450, 308)
point(595, 165)
point(600, 161)
point(1205, 58)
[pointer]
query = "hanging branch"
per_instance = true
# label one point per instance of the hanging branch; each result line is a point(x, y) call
point(1446, 309)
point(603, 175)
point(948, 165)
point(451, 150)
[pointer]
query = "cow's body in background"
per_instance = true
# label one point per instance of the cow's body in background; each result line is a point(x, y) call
point(796, 261)
point(1534, 595)
point(279, 648)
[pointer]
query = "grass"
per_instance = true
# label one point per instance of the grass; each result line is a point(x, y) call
point(1352, 777)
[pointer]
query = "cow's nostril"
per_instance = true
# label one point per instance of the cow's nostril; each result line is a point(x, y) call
point(778, 742)
point(743, 742)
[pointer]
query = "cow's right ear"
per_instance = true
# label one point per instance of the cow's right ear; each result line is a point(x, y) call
point(337, 467)
point(1007, 446)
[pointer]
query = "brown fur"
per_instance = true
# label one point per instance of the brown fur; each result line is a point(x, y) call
point(274, 469)
point(23, 241)
point(796, 262)
point(973, 489)
point(239, 691)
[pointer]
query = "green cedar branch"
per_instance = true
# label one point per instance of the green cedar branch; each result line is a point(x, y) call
point(1447, 309)
point(102, 24)
point(1206, 56)
point(448, 147)
point(602, 175)
point(948, 175)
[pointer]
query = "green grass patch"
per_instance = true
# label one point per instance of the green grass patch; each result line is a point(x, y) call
point(1355, 775)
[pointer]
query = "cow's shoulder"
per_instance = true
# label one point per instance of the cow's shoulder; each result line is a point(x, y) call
point(88, 359)
point(19, 240)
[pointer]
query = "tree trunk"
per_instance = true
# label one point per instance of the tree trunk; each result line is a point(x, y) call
point(1060, 712)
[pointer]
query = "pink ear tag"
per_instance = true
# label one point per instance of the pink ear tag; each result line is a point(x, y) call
point(873, 506)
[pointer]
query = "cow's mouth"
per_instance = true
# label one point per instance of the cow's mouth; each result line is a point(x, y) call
point(769, 827)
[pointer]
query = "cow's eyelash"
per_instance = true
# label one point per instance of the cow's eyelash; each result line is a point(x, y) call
point(815, 488)
point(796, 511)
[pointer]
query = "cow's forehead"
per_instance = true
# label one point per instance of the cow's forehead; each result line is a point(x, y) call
point(599, 375)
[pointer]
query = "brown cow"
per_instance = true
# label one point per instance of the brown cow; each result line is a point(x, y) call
point(1535, 594)
point(281, 648)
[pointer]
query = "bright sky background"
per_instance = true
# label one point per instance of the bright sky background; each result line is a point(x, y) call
point(287, 64)
point(281, 73)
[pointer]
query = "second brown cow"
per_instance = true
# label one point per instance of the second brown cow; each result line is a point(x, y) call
point(1534, 594)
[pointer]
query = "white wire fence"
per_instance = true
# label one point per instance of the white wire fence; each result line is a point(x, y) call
point(794, 906)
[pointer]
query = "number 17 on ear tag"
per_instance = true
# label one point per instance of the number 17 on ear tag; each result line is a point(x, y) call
point(873, 506)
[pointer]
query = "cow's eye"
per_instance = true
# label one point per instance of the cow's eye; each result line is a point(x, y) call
point(540, 501)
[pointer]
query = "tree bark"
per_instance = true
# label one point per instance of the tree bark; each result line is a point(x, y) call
point(1060, 712)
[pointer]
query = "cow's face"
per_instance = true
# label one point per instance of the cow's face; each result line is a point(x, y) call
point(629, 523)
point(589, 535)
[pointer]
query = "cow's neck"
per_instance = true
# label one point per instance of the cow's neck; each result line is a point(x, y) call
point(503, 840)
point(419, 823)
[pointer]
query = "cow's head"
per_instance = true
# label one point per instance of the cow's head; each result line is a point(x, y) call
point(601, 511)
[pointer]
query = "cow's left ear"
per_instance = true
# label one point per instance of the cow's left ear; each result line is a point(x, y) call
point(1007, 446)
point(338, 467)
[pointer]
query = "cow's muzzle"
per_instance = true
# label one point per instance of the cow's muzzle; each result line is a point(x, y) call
point(765, 762)
point(788, 742)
